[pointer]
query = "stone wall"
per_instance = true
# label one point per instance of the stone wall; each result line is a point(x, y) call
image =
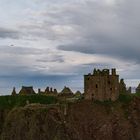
point(101, 85)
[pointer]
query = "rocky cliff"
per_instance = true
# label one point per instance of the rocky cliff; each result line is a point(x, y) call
point(76, 121)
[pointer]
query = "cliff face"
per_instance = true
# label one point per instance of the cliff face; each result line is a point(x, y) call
point(80, 121)
point(108, 122)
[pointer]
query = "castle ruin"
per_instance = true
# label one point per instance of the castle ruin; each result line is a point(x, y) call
point(101, 85)
point(26, 90)
point(48, 91)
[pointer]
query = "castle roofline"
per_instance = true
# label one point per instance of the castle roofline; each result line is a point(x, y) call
point(103, 72)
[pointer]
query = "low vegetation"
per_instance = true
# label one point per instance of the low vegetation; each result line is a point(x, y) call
point(137, 94)
point(15, 101)
point(126, 98)
point(123, 98)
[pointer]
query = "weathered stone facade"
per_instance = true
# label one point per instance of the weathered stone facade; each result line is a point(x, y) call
point(101, 85)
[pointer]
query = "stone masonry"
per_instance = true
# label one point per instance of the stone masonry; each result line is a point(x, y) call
point(101, 85)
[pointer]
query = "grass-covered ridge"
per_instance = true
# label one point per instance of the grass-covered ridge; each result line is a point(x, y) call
point(123, 98)
point(9, 101)
point(15, 101)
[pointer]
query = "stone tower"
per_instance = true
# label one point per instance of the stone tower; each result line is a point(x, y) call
point(101, 85)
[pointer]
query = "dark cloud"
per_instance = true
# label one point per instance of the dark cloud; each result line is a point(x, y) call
point(110, 49)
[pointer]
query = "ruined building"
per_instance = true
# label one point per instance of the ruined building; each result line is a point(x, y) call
point(122, 87)
point(129, 90)
point(26, 91)
point(48, 91)
point(101, 85)
point(30, 91)
point(66, 92)
point(14, 91)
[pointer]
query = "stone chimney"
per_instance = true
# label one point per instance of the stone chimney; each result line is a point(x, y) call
point(113, 71)
point(51, 90)
point(55, 91)
point(47, 90)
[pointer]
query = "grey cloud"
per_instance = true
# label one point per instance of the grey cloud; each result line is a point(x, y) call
point(8, 33)
point(54, 58)
point(106, 30)
point(17, 60)
point(15, 70)
point(111, 49)
point(111, 30)
point(14, 60)
point(19, 50)
point(93, 20)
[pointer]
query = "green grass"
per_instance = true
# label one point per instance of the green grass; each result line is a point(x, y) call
point(123, 98)
point(105, 103)
point(126, 98)
point(137, 94)
point(15, 101)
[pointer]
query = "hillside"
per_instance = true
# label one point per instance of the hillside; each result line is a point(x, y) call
point(74, 121)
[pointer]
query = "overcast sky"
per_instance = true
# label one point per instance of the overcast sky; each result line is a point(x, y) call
point(56, 42)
